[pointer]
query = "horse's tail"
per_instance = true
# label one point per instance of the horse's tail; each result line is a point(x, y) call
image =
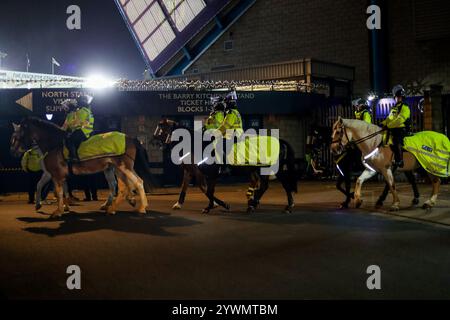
point(287, 165)
point(142, 168)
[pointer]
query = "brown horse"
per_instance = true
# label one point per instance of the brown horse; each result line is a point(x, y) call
point(50, 139)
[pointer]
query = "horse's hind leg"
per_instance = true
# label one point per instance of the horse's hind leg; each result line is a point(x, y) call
point(430, 203)
point(382, 197)
point(263, 186)
point(389, 177)
point(139, 185)
point(216, 201)
point(412, 181)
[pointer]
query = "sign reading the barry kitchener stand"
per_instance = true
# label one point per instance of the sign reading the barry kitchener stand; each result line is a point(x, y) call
point(113, 102)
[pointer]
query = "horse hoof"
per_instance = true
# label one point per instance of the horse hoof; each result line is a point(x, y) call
point(358, 203)
point(394, 208)
point(176, 206)
point(56, 214)
point(38, 206)
point(379, 205)
point(227, 206)
point(288, 209)
point(142, 211)
point(205, 211)
point(415, 201)
point(343, 205)
point(66, 208)
point(215, 205)
point(103, 207)
point(427, 206)
point(250, 209)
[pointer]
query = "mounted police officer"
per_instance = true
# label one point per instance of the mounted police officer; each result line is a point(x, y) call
point(362, 110)
point(217, 114)
point(398, 123)
point(233, 119)
point(79, 124)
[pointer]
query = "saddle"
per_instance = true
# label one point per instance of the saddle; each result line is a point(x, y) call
point(100, 145)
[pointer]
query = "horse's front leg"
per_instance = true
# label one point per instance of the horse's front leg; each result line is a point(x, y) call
point(187, 176)
point(210, 189)
point(412, 181)
point(430, 203)
point(60, 196)
point(389, 177)
point(367, 174)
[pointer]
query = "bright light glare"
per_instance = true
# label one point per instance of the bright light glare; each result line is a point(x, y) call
point(99, 82)
point(371, 97)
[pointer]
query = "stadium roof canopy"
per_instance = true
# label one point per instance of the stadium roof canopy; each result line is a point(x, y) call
point(172, 34)
point(28, 80)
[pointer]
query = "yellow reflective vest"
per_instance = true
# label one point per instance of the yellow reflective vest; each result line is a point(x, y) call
point(80, 119)
point(363, 115)
point(233, 120)
point(399, 117)
point(214, 120)
point(31, 161)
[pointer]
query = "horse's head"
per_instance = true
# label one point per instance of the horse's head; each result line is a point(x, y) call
point(339, 138)
point(163, 131)
point(20, 139)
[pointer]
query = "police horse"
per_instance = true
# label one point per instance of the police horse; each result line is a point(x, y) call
point(348, 164)
point(50, 139)
point(258, 184)
point(378, 156)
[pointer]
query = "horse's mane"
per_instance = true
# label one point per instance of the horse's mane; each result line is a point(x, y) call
point(361, 125)
point(44, 124)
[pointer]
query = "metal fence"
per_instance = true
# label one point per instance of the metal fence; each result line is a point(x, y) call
point(328, 115)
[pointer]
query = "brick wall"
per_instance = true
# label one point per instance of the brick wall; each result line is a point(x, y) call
point(412, 62)
point(335, 31)
point(281, 30)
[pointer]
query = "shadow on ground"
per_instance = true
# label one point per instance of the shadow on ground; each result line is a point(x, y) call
point(154, 223)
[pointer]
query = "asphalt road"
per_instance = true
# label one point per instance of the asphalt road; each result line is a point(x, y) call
point(316, 252)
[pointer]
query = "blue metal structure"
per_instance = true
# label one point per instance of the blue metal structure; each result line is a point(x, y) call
point(138, 15)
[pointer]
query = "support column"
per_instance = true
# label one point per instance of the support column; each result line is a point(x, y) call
point(436, 107)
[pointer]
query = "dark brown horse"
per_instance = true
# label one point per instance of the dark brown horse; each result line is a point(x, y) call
point(190, 170)
point(258, 183)
point(50, 139)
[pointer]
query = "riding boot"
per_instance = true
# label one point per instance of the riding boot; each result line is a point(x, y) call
point(398, 156)
point(73, 153)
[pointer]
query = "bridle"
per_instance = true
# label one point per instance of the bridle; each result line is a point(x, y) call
point(354, 142)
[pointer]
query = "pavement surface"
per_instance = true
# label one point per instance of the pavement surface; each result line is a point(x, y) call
point(316, 252)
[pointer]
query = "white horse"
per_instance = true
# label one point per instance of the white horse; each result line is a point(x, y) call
point(376, 157)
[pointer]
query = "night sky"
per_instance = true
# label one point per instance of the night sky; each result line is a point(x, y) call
point(102, 46)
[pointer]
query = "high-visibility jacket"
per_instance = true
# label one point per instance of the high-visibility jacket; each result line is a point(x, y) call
point(399, 117)
point(31, 160)
point(80, 119)
point(363, 115)
point(233, 120)
point(214, 120)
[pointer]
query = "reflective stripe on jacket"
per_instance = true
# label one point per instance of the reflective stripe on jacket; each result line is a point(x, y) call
point(80, 119)
point(233, 120)
point(399, 117)
point(214, 120)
